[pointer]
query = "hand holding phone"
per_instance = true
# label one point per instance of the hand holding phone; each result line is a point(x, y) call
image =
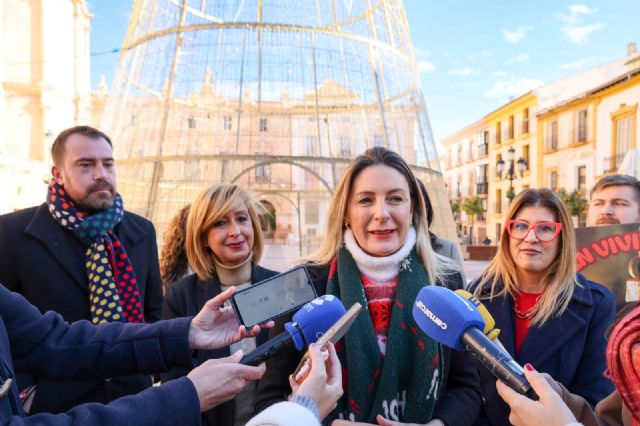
point(333, 334)
point(323, 384)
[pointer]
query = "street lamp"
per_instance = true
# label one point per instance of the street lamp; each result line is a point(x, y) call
point(511, 172)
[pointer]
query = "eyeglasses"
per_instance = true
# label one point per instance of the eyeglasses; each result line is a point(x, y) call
point(545, 231)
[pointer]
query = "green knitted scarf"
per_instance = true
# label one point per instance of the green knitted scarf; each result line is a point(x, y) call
point(404, 384)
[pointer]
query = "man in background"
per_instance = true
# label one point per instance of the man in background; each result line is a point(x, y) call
point(615, 199)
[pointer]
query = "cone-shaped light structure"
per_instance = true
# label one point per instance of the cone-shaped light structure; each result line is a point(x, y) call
point(277, 96)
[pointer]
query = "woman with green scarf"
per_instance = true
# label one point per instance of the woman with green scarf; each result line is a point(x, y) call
point(377, 252)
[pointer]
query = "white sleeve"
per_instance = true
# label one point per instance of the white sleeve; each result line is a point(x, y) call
point(284, 413)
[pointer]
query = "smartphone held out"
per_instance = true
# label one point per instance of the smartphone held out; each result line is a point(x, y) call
point(273, 297)
point(333, 334)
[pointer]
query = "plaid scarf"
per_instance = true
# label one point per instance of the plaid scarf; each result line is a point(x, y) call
point(113, 290)
point(404, 384)
point(623, 361)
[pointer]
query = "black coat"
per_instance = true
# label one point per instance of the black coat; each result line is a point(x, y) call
point(460, 400)
point(185, 298)
point(45, 263)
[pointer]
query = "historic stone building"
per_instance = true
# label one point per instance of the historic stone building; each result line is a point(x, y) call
point(44, 88)
point(268, 96)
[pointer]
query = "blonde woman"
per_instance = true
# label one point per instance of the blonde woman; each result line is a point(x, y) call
point(224, 244)
point(377, 252)
point(550, 316)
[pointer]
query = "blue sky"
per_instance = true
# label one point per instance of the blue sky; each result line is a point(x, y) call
point(473, 54)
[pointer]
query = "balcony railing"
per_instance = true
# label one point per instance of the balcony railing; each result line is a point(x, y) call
point(482, 188)
point(483, 150)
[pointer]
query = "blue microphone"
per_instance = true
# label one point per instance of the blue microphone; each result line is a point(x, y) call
point(306, 327)
point(453, 321)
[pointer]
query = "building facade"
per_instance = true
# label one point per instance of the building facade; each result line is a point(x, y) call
point(44, 88)
point(467, 176)
point(567, 134)
point(514, 133)
point(588, 136)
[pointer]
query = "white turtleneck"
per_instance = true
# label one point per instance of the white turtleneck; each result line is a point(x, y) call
point(379, 269)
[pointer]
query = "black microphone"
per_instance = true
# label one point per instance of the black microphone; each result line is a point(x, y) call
point(453, 321)
point(306, 327)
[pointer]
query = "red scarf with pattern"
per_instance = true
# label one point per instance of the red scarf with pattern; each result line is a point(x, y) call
point(113, 289)
point(623, 361)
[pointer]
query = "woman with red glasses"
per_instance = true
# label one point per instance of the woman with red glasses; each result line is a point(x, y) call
point(550, 316)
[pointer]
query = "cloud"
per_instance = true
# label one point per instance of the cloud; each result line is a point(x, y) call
point(575, 30)
point(580, 34)
point(426, 66)
point(523, 57)
point(506, 89)
point(576, 65)
point(499, 74)
point(463, 71)
point(578, 9)
point(517, 35)
point(477, 55)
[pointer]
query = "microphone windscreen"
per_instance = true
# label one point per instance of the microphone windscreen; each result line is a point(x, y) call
point(314, 319)
point(489, 322)
point(444, 315)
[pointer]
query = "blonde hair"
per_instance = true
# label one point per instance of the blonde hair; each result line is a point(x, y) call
point(209, 207)
point(173, 257)
point(560, 278)
point(436, 265)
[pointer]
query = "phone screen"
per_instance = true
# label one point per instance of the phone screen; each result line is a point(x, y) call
point(273, 297)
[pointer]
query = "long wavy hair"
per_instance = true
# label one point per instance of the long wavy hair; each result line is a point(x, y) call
point(436, 266)
point(560, 278)
point(209, 207)
point(173, 256)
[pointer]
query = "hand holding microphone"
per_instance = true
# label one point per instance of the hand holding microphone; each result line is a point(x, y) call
point(453, 321)
point(307, 326)
point(549, 410)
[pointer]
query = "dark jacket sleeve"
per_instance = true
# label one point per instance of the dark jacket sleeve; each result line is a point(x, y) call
point(590, 381)
point(174, 306)
point(153, 296)
point(461, 401)
point(172, 403)
point(47, 346)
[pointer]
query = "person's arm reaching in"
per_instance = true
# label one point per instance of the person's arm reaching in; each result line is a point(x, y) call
point(47, 345)
point(549, 410)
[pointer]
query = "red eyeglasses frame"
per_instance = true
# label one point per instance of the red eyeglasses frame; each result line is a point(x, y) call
point(533, 226)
